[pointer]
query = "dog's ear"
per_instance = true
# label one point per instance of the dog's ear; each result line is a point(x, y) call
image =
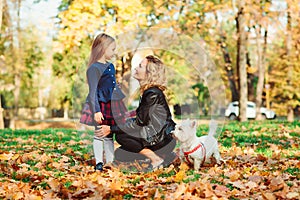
point(193, 123)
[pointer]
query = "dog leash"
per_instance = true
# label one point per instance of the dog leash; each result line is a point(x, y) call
point(186, 154)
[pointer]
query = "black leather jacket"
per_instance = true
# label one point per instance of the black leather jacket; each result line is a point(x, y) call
point(152, 115)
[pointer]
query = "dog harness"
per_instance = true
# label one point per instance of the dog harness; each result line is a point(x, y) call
point(201, 145)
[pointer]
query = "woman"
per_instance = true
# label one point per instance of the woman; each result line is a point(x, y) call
point(147, 136)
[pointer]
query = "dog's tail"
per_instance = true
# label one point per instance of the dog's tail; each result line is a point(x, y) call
point(213, 128)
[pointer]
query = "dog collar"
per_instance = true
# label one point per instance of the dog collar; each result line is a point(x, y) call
point(187, 153)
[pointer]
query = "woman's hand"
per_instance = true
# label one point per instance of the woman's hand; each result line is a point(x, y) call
point(98, 117)
point(103, 131)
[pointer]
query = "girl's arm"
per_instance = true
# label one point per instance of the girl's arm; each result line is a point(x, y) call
point(93, 77)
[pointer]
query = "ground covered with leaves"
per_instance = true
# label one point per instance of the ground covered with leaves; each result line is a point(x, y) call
point(261, 161)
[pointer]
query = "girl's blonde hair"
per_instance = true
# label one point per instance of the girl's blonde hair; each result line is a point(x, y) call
point(155, 74)
point(100, 44)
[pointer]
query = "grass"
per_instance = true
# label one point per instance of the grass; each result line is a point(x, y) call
point(61, 154)
point(259, 134)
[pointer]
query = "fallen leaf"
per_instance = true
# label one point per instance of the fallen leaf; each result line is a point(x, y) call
point(292, 195)
point(268, 196)
point(183, 166)
point(233, 175)
point(83, 193)
point(116, 186)
point(208, 191)
point(276, 183)
point(251, 185)
point(261, 158)
point(179, 191)
point(54, 184)
point(32, 197)
point(18, 195)
point(180, 176)
point(238, 184)
point(255, 178)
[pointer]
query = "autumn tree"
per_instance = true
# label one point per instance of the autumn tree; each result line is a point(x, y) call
point(284, 65)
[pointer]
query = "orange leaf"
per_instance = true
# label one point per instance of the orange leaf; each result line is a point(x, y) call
point(69, 151)
point(18, 195)
point(54, 184)
point(183, 166)
point(33, 197)
point(116, 186)
point(269, 196)
point(298, 165)
point(233, 175)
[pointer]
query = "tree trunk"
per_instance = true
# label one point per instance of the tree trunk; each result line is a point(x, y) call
point(290, 114)
point(241, 60)
point(250, 74)
point(229, 70)
point(290, 111)
point(261, 74)
point(1, 115)
point(267, 85)
point(1, 109)
point(1, 12)
point(18, 65)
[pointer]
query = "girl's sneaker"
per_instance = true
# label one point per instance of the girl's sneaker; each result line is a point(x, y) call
point(99, 167)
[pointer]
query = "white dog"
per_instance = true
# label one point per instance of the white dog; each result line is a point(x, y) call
point(197, 150)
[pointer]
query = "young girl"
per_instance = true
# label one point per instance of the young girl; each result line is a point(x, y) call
point(105, 97)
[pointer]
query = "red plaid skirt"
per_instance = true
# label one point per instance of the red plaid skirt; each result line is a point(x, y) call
point(113, 112)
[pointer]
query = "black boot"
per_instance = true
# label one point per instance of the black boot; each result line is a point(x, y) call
point(169, 159)
point(99, 167)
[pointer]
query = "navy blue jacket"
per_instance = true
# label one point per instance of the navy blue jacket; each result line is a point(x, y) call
point(102, 85)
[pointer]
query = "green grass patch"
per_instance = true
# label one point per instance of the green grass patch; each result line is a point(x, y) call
point(293, 171)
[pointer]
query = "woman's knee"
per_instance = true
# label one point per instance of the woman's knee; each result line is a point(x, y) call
point(128, 143)
point(121, 138)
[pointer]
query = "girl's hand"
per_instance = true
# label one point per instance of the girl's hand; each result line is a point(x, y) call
point(103, 131)
point(98, 117)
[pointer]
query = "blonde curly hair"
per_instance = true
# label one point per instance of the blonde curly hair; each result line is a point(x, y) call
point(155, 74)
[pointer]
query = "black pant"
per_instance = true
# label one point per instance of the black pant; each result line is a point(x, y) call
point(131, 146)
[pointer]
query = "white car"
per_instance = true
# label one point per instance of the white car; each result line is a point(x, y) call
point(232, 111)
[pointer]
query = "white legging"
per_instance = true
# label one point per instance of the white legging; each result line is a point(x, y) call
point(103, 146)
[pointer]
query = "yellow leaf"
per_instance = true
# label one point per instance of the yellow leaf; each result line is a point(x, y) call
point(18, 195)
point(183, 166)
point(179, 176)
point(16, 156)
point(6, 156)
point(33, 197)
point(86, 156)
